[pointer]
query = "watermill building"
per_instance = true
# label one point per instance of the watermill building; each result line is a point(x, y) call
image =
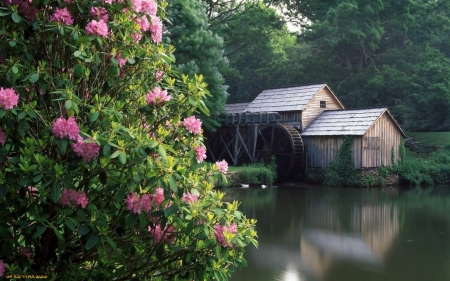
point(303, 127)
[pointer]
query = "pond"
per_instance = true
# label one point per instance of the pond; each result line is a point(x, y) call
point(316, 233)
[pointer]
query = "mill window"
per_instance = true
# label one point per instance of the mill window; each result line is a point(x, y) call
point(323, 104)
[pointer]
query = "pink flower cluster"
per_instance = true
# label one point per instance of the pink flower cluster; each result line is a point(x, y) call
point(156, 29)
point(219, 231)
point(189, 198)
point(200, 153)
point(222, 166)
point(120, 60)
point(62, 128)
point(97, 28)
point(159, 234)
point(70, 196)
point(24, 252)
point(3, 137)
point(159, 75)
point(157, 96)
point(193, 125)
point(2, 268)
point(136, 204)
point(24, 7)
point(8, 98)
point(100, 13)
point(62, 16)
point(146, 6)
point(87, 150)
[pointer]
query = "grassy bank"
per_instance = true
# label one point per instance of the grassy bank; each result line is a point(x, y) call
point(254, 174)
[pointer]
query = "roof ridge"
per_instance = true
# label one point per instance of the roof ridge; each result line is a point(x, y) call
point(296, 86)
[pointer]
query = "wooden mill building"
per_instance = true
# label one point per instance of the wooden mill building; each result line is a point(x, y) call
point(302, 127)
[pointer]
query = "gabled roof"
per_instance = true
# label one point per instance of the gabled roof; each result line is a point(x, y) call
point(346, 122)
point(235, 107)
point(286, 99)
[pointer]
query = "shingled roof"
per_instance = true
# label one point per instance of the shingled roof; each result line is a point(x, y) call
point(284, 99)
point(235, 107)
point(345, 122)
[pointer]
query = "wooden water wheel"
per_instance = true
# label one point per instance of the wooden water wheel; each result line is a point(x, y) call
point(285, 143)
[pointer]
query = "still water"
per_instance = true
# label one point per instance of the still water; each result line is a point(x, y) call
point(315, 233)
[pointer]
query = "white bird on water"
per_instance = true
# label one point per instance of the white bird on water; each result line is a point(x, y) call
point(244, 185)
point(263, 186)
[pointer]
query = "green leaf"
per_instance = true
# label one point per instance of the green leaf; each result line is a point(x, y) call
point(189, 227)
point(62, 144)
point(68, 104)
point(56, 192)
point(131, 61)
point(111, 242)
point(162, 154)
point(21, 115)
point(70, 224)
point(39, 230)
point(106, 149)
point(122, 158)
point(77, 54)
point(131, 220)
point(15, 69)
point(115, 154)
point(84, 229)
point(172, 183)
point(34, 78)
point(16, 18)
point(58, 234)
point(94, 116)
point(12, 43)
point(170, 211)
point(120, 194)
point(92, 242)
point(37, 178)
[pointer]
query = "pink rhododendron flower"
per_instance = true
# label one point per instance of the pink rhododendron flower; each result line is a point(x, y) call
point(62, 16)
point(8, 98)
point(70, 196)
point(156, 29)
point(137, 37)
point(146, 202)
point(200, 152)
point(62, 128)
point(131, 200)
point(159, 234)
point(24, 252)
point(120, 60)
point(137, 5)
point(149, 6)
point(24, 8)
point(189, 198)
point(219, 233)
point(99, 13)
point(87, 150)
point(157, 96)
point(158, 197)
point(159, 75)
point(143, 23)
point(2, 268)
point(3, 137)
point(97, 28)
point(222, 166)
point(193, 125)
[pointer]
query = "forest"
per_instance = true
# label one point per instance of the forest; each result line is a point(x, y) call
point(372, 53)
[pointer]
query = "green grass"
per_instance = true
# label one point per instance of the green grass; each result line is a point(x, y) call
point(441, 139)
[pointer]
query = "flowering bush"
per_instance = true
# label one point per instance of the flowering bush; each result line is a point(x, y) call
point(101, 173)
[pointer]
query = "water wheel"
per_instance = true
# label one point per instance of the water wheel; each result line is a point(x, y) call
point(285, 143)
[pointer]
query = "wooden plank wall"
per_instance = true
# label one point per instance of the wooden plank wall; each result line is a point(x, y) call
point(291, 117)
point(390, 136)
point(324, 149)
point(313, 109)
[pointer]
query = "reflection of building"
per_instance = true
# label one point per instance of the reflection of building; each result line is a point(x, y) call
point(373, 229)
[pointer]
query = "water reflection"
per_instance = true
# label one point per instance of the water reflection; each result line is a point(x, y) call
point(336, 234)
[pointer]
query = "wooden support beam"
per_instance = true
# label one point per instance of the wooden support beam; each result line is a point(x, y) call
point(227, 149)
point(244, 146)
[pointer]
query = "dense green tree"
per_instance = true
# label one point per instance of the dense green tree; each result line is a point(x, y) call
point(199, 51)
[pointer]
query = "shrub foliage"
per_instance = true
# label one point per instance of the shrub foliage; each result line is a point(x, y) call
point(99, 150)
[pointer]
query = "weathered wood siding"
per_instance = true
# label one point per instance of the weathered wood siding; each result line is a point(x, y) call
point(312, 109)
point(379, 141)
point(321, 150)
point(293, 118)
